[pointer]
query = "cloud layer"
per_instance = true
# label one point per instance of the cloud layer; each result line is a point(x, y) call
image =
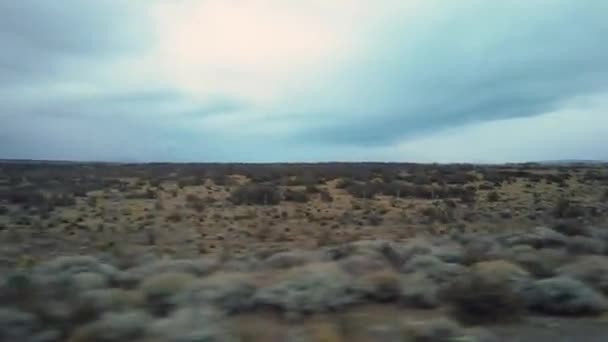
point(269, 80)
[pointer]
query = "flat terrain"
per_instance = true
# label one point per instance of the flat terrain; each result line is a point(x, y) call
point(195, 209)
point(303, 252)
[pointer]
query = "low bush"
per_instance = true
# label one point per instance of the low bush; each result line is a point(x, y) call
point(564, 296)
point(195, 202)
point(364, 190)
point(255, 194)
point(345, 183)
point(493, 196)
point(564, 208)
point(441, 330)
point(475, 299)
point(295, 196)
point(309, 289)
point(159, 290)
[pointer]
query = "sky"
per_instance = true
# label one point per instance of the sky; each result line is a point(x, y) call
point(317, 80)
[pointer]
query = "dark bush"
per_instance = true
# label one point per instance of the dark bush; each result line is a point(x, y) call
point(486, 186)
point(493, 196)
point(220, 180)
point(311, 189)
point(148, 194)
point(326, 197)
point(255, 194)
point(444, 214)
point(195, 202)
point(420, 179)
point(564, 208)
point(24, 196)
point(295, 196)
point(458, 178)
point(396, 189)
point(174, 217)
point(374, 219)
point(62, 200)
point(365, 190)
point(570, 227)
point(345, 183)
point(191, 181)
point(475, 299)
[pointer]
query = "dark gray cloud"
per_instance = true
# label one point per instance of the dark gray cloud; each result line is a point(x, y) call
point(469, 64)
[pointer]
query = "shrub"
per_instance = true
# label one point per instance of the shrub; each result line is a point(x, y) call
point(255, 194)
point(23, 195)
point(174, 217)
point(365, 190)
point(289, 259)
point(16, 325)
point(71, 265)
point(190, 324)
point(419, 291)
point(199, 267)
point(493, 196)
point(345, 183)
point(191, 181)
point(62, 200)
point(592, 270)
point(160, 289)
point(440, 330)
point(232, 292)
point(541, 263)
point(128, 326)
point(148, 194)
point(374, 219)
point(111, 299)
point(539, 237)
point(383, 285)
point(311, 189)
point(476, 299)
point(564, 208)
point(585, 245)
point(563, 296)
point(570, 228)
point(396, 189)
point(195, 202)
point(502, 272)
point(432, 267)
point(311, 288)
point(295, 196)
point(326, 197)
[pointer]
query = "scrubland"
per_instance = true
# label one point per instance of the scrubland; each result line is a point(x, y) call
point(302, 252)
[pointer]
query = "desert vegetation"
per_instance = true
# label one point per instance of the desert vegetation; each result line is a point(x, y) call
point(198, 252)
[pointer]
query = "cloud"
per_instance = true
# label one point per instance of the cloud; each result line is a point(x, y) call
point(270, 80)
point(575, 131)
point(461, 63)
point(41, 39)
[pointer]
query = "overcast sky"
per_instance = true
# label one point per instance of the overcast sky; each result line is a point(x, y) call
point(315, 80)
